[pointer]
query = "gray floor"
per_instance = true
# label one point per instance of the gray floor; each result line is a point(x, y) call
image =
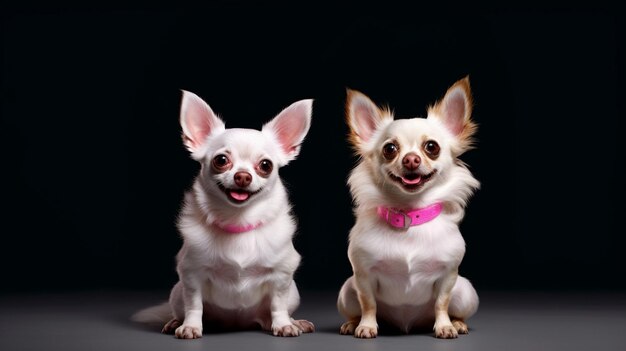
point(505, 321)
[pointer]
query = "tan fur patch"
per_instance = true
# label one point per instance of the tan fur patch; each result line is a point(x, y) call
point(368, 306)
point(460, 326)
point(442, 303)
point(469, 126)
point(353, 136)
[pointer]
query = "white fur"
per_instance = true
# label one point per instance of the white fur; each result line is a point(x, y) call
point(236, 279)
point(405, 271)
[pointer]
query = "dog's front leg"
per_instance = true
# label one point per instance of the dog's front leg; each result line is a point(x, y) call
point(368, 327)
point(443, 326)
point(192, 300)
point(282, 324)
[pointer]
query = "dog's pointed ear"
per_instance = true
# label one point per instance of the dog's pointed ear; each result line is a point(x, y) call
point(455, 111)
point(363, 118)
point(290, 127)
point(197, 120)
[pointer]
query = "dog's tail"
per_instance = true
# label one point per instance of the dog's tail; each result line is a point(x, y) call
point(155, 315)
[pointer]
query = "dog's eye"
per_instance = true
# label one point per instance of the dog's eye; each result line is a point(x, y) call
point(265, 167)
point(390, 150)
point(221, 162)
point(432, 148)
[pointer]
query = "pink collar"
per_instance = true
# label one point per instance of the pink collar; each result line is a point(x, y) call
point(236, 229)
point(405, 219)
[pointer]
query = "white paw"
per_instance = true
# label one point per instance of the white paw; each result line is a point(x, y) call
point(304, 325)
point(287, 330)
point(188, 332)
point(446, 332)
point(366, 332)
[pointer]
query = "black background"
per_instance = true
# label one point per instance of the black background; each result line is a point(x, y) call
point(93, 169)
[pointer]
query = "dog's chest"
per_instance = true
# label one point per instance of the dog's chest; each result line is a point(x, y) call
point(405, 271)
point(234, 273)
point(401, 281)
point(409, 269)
point(232, 285)
point(410, 272)
point(240, 262)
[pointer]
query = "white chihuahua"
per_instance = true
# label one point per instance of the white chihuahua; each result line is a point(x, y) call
point(410, 190)
point(237, 261)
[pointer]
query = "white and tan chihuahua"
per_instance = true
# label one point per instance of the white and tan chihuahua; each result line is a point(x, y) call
point(410, 190)
point(237, 261)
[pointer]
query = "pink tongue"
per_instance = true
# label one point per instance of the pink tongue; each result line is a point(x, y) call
point(239, 195)
point(414, 181)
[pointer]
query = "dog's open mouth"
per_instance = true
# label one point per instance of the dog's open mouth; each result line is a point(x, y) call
point(238, 195)
point(412, 181)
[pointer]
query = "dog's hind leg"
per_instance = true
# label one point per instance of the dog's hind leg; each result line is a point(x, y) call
point(463, 304)
point(349, 307)
point(178, 309)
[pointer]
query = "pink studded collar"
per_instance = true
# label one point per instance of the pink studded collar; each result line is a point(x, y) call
point(409, 218)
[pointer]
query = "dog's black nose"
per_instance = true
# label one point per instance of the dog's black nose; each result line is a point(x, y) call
point(243, 179)
point(411, 161)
